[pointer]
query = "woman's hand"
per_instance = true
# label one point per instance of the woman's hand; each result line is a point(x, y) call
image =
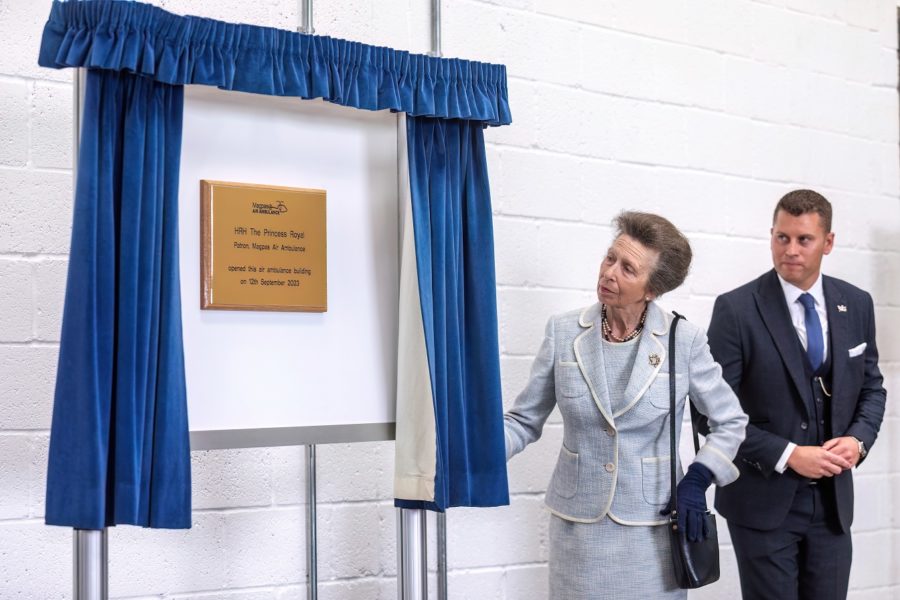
point(691, 492)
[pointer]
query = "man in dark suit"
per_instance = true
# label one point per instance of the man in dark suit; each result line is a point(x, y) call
point(798, 348)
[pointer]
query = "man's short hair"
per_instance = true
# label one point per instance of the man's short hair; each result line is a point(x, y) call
point(801, 202)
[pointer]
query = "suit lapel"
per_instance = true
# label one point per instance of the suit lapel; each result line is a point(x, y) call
point(589, 354)
point(774, 311)
point(839, 332)
point(644, 371)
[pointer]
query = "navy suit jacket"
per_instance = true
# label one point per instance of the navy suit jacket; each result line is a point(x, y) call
point(751, 335)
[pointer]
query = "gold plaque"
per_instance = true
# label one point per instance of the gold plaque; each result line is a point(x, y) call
point(263, 247)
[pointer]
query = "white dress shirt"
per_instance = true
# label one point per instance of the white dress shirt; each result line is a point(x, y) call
point(798, 318)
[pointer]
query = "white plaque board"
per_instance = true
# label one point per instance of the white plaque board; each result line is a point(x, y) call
point(249, 373)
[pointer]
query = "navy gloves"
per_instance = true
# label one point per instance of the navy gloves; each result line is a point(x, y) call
point(691, 493)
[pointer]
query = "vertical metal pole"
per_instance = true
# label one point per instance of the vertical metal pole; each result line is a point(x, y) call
point(441, 516)
point(412, 532)
point(90, 580)
point(78, 83)
point(312, 545)
point(442, 556)
point(435, 28)
point(90, 548)
point(306, 17)
point(412, 559)
point(312, 577)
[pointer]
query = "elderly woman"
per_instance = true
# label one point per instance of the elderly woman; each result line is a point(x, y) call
point(607, 369)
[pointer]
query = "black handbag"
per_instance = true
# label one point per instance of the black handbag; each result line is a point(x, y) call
point(696, 563)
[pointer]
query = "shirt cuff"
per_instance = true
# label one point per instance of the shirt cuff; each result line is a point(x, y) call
point(781, 465)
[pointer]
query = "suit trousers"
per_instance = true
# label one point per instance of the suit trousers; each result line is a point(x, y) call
point(807, 558)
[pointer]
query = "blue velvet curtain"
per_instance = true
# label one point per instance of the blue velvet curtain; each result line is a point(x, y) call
point(451, 205)
point(119, 449)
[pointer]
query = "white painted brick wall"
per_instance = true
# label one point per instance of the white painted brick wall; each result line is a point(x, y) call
point(14, 136)
point(51, 120)
point(702, 110)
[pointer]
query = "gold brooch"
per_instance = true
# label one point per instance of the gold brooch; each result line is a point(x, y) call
point(654, 359)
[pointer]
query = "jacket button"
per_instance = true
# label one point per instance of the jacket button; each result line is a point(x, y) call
point(610, 431)
point(610, 467)
point(803, 426)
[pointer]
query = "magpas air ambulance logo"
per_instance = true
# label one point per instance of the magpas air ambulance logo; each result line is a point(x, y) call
point(269, 209)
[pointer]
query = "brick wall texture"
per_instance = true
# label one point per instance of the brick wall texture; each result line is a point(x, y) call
point(702, 110)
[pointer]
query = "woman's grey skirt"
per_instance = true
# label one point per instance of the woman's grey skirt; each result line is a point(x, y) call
point(606, 560)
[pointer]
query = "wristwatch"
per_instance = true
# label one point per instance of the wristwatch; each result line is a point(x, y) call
point(862, 448)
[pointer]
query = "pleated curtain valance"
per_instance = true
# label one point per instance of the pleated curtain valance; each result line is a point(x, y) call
point(179, 50)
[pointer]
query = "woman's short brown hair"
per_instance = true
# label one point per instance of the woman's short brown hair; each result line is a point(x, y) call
point(659, 234)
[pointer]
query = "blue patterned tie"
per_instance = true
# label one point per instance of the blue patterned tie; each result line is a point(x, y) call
point(815, 344)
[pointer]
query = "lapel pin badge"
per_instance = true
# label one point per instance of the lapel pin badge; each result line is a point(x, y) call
point(654, 359)
point(842, 308)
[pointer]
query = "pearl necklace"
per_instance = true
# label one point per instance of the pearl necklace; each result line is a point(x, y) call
point(607, 330)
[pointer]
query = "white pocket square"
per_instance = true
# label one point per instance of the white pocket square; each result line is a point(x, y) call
point(857, 350)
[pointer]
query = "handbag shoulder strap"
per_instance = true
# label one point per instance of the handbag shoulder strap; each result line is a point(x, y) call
point(693, 409)
point(672, 454)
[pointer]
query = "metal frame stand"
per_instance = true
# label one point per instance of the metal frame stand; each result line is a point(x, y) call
point(312, 544)
point(412, 532)
point(412, 556)
point(91, 549)
point(312, 569)
point(442, 556)
point(90, 579)
point(306, 17)
point(441, 520)
point(435, 28)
